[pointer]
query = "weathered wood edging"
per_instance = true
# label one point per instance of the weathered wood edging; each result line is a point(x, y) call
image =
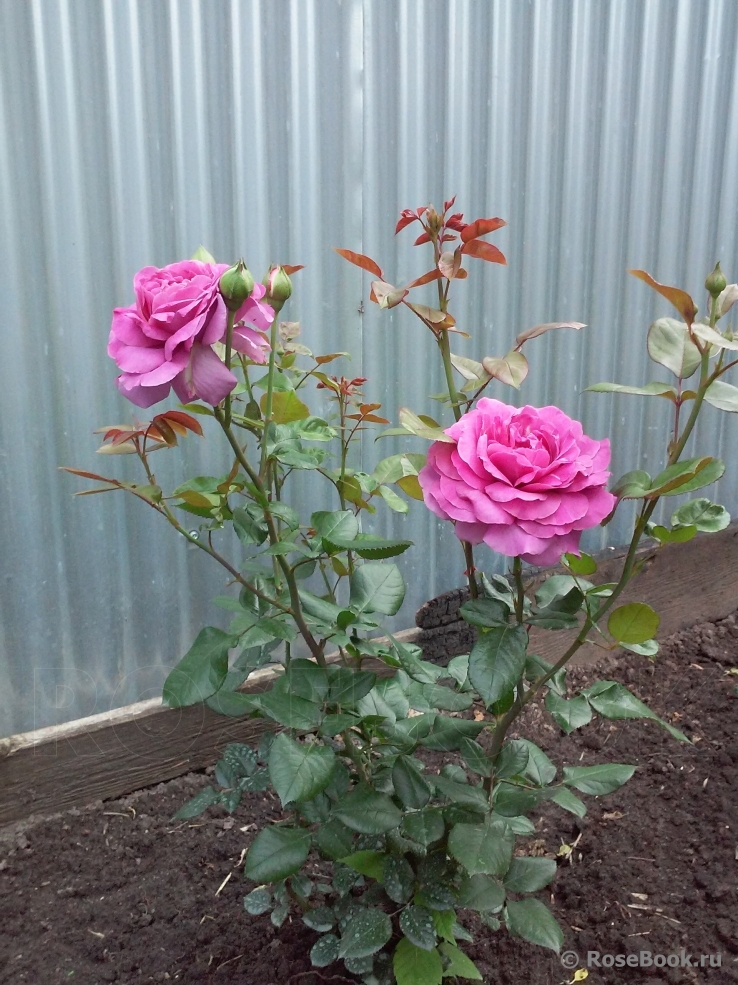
point(114, 753)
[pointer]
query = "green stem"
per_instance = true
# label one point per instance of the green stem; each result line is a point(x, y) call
point(295, 607)
point(268, 410)
point(230, 320)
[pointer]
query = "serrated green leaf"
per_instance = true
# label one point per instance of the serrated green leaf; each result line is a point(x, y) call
point(418, 926)
point(368, 863)
point(475, 757)
point(376, 587)
point(347, 686)
point(598, 780)
point(334, 839)
point(201, 671)
point(527, 874)
point(324, 951)
point(458, 965)
point(533, 921)
point(319, 918)
point(423, 827)
point(512, 799)
point(701, 513)
point(286, 708)
point(475, 798)
point(482, 848)
point(307, 680)
point(276, 852)
point(512, 760)
point(365, 934)
point(539, 767)
point(398, 878)
point(414, 966)
point(299, 771)
point(649, 390)
point(611, 700)
point(481, 893)
point(568, 715)
point(669, 345)
point(374, 548)
point(410, 785)
point(488, 613)
point(395, 502)
point(445, 734)
point(340, 523)
point(580, 564)
point(633, 623)
point(207, 797)
point(257, 902)
point(569, 802)
point(367, 811)
point(497, 661)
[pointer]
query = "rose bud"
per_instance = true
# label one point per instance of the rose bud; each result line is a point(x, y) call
point(716, 282)
point(278, 286)
point(236, 285)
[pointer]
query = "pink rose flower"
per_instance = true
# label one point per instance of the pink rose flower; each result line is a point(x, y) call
point(165, 339)
point(527, 482)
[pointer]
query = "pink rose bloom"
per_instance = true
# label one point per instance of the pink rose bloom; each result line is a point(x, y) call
point(165, 339)
point(527, 482)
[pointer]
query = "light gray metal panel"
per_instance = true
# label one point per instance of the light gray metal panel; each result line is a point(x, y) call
point(604, 131)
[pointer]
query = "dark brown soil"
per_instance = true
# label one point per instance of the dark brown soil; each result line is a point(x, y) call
point(120, 893)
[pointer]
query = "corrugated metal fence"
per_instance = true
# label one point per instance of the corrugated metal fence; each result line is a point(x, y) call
point(604, 131)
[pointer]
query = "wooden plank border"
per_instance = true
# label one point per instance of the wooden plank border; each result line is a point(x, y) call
point(112, 754)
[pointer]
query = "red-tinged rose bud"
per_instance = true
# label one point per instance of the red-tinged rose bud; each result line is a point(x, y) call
point(236, 285)
point(278, 284)
point(716, 282)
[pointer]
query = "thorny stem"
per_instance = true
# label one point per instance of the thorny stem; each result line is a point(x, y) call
point(354, 755)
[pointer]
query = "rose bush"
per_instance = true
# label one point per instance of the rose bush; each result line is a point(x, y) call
point(527, 482)
point(165, 339)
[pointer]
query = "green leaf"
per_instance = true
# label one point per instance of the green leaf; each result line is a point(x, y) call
point(429, 697)
point(286, 708)
point(395, 502)
point(307, 680)
point(377, 588)
point(512, 799)
point(445, 734)
point(410, 785)
point(334, 839)
point(693, 473)
point(286, 407)
point(367, 546)
point(527, 874)
point(458, 669)
point(569, 801)
point(474, 798)
point(319, 918)
point(679, 536)
point(424, 827)
point(366, 811)
point(497, 661)
point(201, 671)
point(482, 848)
point(512, 760)
point(633, 623)
point(397, 467)
point(533, 921)
point(598, 780)
point(580, 564)
point(398, 878)
point(569, 715)
point(418, 926)
point(475, 757)
point(446, 926)
point(702, 514)
point(488, 613)
point(348, 686)
point(298, 772)
point(423, 427)
point(632, 485)
point(324, 951)
point(611, 700)
point(340, 523)
point(539, 767)
point(458, 964)
point(649, 390)
point(560, 587)
point(365, 934)
point(248, 530)
point(708, 334)
point(414, 966)
point(276, 853)
point(230, 703)
point(207, 797)
point(257, 902)
point(482, 893)
point(669, 345)
point(722, 395)
point(368, 863)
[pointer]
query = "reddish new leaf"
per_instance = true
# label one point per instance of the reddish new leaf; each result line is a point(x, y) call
point(292, 268)
point(428, 278)
point(423, 238)
point(449, 264)
point(406, 217)
point(432, 317)
point(480, 227)
point(456, 221)
point(186, 420)
point(387, 295)
point(329, 357)
point(533, 333)
point(680, 299)
point(359, 260)
point(482, 251)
